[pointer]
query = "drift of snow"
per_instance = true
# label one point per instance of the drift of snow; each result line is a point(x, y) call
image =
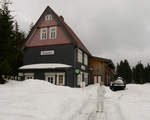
point(45, 66)
point(40, 100)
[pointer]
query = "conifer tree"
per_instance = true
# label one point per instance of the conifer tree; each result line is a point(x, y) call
point(139, 73)
point(11, 43)
point(127, 72)
point(124, 71)
point(19, 40)
point(147, 73)
point(6, 39)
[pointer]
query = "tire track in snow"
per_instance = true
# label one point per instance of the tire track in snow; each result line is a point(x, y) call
point(112, 109)
point(80, 111)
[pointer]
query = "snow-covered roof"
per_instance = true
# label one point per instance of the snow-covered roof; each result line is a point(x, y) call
point(118, 81)
point(45, 66)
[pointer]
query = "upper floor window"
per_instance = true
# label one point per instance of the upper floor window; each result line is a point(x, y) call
point(79, 56)
point(48, 17)
point(85, 59)
point(52, 33)
point(43, 34)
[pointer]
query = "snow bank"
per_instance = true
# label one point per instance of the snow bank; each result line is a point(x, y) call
point(38, 100)
point(135, 102)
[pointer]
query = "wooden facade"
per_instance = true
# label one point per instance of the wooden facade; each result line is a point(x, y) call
point(101, 70)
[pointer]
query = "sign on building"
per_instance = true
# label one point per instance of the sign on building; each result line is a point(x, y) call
point(49, 52)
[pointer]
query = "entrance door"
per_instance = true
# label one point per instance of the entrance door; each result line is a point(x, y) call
point(51, 79)
point(97, 79)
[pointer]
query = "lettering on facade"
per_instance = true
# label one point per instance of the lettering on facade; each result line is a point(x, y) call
point(49, 52)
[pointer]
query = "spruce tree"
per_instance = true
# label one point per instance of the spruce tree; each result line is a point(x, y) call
point(147, 73)
point(139, 73)
point(19, 40)
point(127, 72)
point(6, 41)
point(124, 71)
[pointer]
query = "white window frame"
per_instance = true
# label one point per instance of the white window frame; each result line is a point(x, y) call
point(43, 33)
point(56, 76)
point(86, 78)
point(48, 17)
point(85, 59)
point(80, 57)
point(52, 30)
point(49, 74)
point(29, 76)
point(79, 79)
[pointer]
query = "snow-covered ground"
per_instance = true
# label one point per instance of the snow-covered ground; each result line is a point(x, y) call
point(40, 100)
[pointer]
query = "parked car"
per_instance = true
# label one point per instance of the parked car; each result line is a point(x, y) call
point(118, 84)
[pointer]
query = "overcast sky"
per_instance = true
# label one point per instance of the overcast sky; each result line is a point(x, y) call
point(114, 29)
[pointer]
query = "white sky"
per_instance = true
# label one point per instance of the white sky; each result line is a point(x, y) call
point(115, 29)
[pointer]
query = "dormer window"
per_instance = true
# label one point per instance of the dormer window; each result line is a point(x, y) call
point(48, 17)
point(43, 34)
point(52, 33)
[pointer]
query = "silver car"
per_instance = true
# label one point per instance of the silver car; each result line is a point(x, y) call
point(118, 84)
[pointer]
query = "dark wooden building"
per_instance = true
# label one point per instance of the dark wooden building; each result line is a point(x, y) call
point(102, 69)
point(54, 53)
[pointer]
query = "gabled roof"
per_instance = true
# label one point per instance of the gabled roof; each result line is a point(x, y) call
point(74, 39)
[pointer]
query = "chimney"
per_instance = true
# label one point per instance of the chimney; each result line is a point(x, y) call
point(61, 18)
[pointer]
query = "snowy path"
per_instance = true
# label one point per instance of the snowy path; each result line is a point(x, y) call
point(112, 109)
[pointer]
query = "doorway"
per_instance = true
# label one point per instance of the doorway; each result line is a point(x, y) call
point(97, 79)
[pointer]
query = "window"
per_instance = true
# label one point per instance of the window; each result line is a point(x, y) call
point(29, 76)
point(55, 78)
point(52, 33)
point(86, 78)
point(79, 79)
point(85, 59)
point(43, 34)
point(79, 56)
point(48, 17)
point(50, 77)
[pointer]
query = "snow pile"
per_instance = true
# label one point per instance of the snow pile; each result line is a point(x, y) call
point(135, 102)
point(38, 100)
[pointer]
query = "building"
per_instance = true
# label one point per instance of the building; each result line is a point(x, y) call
point(54, 53)
point(102, 70)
